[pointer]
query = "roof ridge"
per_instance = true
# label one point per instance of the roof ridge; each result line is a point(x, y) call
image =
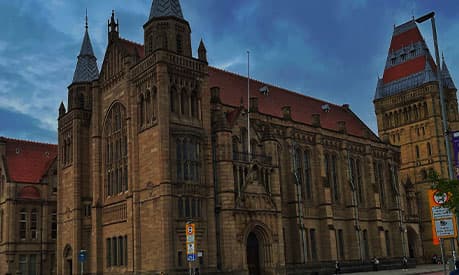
point(131, 41)
point(278, 87)
point(3, 138)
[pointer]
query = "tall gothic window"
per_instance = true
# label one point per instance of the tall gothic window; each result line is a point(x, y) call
point(194, 105)
point(53, 225)
point(184, 102)
point(359, 181)
point(115, 138)
point(179, 44)
point(331, 171)
point(33, 224)
point(67, 148)
point(174, 100)
point(307, 174)
point(188, 159)
point(429, 149)
point(22, 224)
point(379, 180)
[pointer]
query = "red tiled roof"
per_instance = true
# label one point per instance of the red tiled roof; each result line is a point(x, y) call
point(405, 38)
point(233, 87)
point(28, 161)
point(404, 69)
point(133, 48)
point(29, 192)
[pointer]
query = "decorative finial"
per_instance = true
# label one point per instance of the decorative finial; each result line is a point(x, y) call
point(86, 26)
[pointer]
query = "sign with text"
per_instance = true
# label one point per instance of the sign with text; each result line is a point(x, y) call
point(190, 242)
point(443, 220)
point(445, 228)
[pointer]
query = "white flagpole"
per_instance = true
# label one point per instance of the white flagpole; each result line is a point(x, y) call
point(248, 104)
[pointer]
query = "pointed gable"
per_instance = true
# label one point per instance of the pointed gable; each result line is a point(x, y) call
point(86, 69)
point(164, 8)
point(233, 87)
point(27, 161)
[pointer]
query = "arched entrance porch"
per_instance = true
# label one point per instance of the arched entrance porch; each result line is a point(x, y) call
point(258, 250)
point(414, 243)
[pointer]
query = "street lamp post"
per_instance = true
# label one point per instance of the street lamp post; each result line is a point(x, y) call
point(421, 19)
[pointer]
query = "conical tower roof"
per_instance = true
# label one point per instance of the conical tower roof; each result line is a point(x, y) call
point(163, 8)
point(86, 69)
point(409, 62)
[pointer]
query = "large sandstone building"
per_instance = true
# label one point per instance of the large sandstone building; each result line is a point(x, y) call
point(159, 138)
point(407, 106)
point(28, 218)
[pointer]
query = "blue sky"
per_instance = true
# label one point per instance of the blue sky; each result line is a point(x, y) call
point(332, 50)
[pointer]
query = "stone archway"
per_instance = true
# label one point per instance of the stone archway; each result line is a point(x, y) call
point(414, 243)
point(258, 250)
point(68, 260)
point(253, 254)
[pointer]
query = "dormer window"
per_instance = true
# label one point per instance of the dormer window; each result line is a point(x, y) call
point(403, 56)
point(392, 60)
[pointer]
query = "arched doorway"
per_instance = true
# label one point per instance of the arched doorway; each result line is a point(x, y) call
point(253, 254)
point(413, 243)
point(68, 262)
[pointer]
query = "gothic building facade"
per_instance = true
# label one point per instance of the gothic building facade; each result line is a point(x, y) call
point(275, 184)
point(407, 106)
point(28, 217)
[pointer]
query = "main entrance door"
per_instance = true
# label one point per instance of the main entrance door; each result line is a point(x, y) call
point(253, 254)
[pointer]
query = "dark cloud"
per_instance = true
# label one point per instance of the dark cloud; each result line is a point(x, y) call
point(328, 49)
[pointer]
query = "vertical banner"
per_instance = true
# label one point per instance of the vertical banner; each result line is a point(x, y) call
point(456, 153)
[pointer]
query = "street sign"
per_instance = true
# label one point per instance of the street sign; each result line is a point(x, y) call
point(439, 212)
point(443, 220)
point(191, 257)
point(445, 228)
point(190, 242)
point(82, 256)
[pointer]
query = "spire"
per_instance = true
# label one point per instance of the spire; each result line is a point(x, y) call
point(446, 76)
point(62, 109)
point(86, 69)
point(113, 28)
point(163, 8)
point(202, 52)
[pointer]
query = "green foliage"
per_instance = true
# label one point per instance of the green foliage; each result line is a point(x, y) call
point(447, 186)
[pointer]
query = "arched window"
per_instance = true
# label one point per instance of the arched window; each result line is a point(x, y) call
point(184, 102)
point(429, 149)
point(417, 151)
point(244, 141)
point(154, 104)
point(33, 224)
point(141, 110)
point(174, 100)
point(307, 174)
point(194, 104)
point(179, 44)
point(115, 138)
point(188, 159)
point(334, 177)
point(22, 224)
point(358, 180)
point(148, 110)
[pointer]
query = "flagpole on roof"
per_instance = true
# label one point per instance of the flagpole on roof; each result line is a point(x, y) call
point(248, 104)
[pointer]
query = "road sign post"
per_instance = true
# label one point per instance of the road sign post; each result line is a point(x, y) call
point(190, 245)
point(82, 259)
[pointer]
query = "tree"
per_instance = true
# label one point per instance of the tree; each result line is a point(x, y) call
point(449, 187)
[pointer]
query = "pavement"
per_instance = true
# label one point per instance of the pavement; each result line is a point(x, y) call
point(431, 269)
